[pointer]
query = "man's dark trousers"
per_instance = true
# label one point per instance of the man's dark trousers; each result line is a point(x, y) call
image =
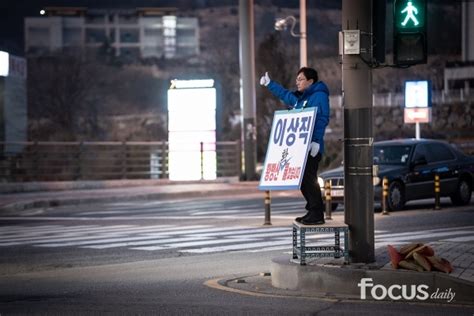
point(310, 188)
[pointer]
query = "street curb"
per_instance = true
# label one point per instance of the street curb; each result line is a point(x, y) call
point(54, 202)
point(344, 280)
point(48, 186)
point(260, 286)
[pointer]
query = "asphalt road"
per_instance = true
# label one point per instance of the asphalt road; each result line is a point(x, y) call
point(153, 257)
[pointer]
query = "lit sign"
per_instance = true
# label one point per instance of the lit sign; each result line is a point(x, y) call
point(12, 66)
point(182, 84)
point(417, 94)
point(4, 63)
point(410, 11)
point(192, 122)
point(409, 14)
point(417, 115)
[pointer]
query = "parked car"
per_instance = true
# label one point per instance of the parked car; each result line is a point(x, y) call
point(410, 166)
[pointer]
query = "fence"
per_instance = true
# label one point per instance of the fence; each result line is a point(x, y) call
point(398, 99)
point(60, 161)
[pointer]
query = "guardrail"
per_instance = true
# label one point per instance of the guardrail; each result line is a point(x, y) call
point(61, 161)
point(466, 147)
point(398, 99)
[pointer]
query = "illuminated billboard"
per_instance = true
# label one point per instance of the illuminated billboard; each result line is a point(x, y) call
point(192, 130)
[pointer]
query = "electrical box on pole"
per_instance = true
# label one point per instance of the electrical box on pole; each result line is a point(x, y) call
point(409, 30)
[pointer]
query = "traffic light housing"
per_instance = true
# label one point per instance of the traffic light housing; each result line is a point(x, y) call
point(378, 30)
point(409, 29)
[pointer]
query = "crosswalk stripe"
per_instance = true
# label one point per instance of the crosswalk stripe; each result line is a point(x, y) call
point(232, 232)
point(62, 238)
point(196, 243)
point(65, 232)
point(171, 240)
point(7, 229)
point(115, 231)
point(92, 240)
point(63, 242)
point(324, 239)
point(236, 247)
point(460, 239)
point(214, 212)
point(199, 238)
point(57, 229)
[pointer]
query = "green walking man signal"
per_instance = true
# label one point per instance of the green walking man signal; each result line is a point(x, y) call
point(410, 43)
point(410, 10)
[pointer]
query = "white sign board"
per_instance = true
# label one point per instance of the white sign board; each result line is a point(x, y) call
point(287, 150)
point(417, 94)
point(351, 42)
point(191, 124)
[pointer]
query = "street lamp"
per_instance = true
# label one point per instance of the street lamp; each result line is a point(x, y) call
point(281, 24)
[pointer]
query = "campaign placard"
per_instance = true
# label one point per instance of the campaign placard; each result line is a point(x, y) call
point(287, 150)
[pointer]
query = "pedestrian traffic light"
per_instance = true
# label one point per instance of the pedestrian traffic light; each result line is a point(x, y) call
point(409, 29)
point(378, 30)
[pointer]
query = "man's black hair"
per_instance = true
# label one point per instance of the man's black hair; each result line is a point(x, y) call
point(309, 73)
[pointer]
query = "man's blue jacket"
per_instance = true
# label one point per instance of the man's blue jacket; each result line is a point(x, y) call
point(315, 95)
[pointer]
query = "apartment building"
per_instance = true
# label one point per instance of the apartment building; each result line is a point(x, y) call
point(134, 33)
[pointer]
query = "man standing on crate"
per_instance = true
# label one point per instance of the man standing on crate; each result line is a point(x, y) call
point(310, 93)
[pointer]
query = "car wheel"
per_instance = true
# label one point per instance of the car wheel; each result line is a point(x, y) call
point(462, 195)
point(396, 196)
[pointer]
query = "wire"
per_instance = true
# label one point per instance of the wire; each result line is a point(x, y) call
point(374, 64)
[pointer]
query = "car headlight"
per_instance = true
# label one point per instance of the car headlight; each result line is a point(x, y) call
point(375, 181)
point(321, 182)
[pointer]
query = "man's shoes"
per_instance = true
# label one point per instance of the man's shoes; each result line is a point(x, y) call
point(311, 221)
point(299, 219)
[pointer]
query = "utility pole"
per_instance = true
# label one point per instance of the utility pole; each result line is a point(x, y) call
point(358, 134)
point(247, 98)
point(303, 36)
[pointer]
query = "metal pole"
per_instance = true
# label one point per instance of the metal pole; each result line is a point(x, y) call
point(358, 136)
point(384, 196)
point(417, 130)
point(247, 73)
point(437, 192)
point(303, 41)
point(124, 159)
point(202, 160)
point(268, 202)
point(327, 197)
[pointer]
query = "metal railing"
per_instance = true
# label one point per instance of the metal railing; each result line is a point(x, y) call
point(398, 99)
point(62, 161)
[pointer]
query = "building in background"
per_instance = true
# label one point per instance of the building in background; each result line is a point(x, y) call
point(462, 73)
point(129, 33)
point(13, 109)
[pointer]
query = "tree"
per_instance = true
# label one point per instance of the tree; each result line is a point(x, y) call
point(282, 64)
point(64, 90)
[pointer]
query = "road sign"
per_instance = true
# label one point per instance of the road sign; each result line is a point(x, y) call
point(417, 94)
point(288, 149)
point(417, 115)
point(417, 103)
